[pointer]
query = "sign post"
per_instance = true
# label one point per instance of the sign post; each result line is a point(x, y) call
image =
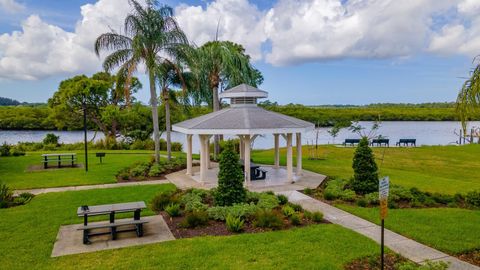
point(383, 189)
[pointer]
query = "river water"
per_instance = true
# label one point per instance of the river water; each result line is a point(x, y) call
point(426, 133)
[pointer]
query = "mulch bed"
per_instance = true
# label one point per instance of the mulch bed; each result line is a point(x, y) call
point(373, 263)
point(215, 228)
point(472, 257)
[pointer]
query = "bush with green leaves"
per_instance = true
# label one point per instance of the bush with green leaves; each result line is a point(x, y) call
point(282, 199)
point(193, 201)
point(308, 191)
point(195, 219)
point(23, 198)
point(17, 151)
point(288, 211)
point(234, 224)
point(268, 219)
point(230, 179)
point(173, 209)
point(162, 200)
point(51, 139)
point(6, 196)
point(348, 195)
point(242, 210)
point(365, 177)
point(362, 202)
point(429, 265)
point(372, 198)
point(317, 216)
point(295, 219)
point(140, 169)
point(5, 150)
point(334, 189)
point(267, 201)
point(473, 199)
point(252, 197)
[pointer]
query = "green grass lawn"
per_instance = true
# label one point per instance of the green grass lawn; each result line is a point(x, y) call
point(14, 170)
point(443, 169)
point(28, 233)
point(451, 230)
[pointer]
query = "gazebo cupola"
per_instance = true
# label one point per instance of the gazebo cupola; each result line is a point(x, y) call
point(243, 94)
point(243, 118)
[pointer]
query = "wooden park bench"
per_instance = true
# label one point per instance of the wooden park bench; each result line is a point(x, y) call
point(380, 142)
point(406, 142)
point(111, 210)
point(70, 158)
point(351, 142)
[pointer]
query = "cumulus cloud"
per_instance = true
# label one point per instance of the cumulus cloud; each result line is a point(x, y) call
point(40, 49)
point(11, 6)
point(237, 20)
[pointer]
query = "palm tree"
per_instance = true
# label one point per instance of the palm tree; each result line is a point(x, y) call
point(151, 35)
point(468, 99)
point(219, 63)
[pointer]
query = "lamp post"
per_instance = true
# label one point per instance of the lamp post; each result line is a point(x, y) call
point(84, 107)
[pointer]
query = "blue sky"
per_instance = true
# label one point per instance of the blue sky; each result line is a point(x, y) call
point(353, 56)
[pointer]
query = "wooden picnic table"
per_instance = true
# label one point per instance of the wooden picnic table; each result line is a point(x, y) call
point(111, 210)
point(58, 158)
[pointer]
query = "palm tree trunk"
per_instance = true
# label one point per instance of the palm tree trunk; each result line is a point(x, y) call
point(167, 123)
point(154, 103)
point(216, 138)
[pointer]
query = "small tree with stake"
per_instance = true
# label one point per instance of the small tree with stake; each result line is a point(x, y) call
point(365, 178)
point(230, 178)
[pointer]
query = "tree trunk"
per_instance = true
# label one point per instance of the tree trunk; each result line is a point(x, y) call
point(154, 103)
point(166, 102)
point(216, 139)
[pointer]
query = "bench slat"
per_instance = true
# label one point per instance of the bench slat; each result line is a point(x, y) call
point(109, 225)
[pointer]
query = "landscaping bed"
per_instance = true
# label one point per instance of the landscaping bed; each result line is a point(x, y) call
point(149, 170)
point(194, 213)
point(472, 257)
point(392, 262)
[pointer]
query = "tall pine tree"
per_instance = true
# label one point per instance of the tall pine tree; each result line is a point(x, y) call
point(230, 178)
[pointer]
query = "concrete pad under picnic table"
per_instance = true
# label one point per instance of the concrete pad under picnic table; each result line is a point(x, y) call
point(69, 239)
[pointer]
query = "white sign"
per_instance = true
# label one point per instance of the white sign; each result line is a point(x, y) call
point(384, 187)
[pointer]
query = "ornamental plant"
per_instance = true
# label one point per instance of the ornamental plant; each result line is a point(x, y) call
point(230, 179)
point(365, 177)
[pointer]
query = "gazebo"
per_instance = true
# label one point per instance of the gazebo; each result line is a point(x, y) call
point(243, 118)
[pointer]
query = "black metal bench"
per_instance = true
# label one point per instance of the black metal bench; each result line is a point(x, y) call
point(70, 158)
point(113, 229)
point(259, 174)
point(407, 142)
point(380, 142)
point(351, 142)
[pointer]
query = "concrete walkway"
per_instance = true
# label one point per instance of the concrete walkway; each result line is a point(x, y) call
point(406, 247)
point(75, 188)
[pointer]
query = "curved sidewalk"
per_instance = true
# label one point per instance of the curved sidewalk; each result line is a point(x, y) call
point(406, 247)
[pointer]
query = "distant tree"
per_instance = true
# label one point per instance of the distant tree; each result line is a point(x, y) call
point(8, 102)
point(51, 138)
point(468, 99)
point(230, 178)
point(337, 127)
point(365, 177)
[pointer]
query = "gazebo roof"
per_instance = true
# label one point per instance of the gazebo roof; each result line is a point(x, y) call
point(243, 119)
point(243, 90)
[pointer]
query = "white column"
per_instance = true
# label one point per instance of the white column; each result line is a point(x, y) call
point(189, 155)
point(203, 167)
point(289, 158)
point(242, 148)
point(299, 154)
point(246, 141)
point(209, 163)
point(277, 151)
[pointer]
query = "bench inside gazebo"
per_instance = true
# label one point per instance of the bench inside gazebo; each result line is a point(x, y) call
point(243, 118)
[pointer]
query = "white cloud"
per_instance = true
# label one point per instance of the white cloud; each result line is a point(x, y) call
point(40, 49)
point(11, 6)
point(237, 21)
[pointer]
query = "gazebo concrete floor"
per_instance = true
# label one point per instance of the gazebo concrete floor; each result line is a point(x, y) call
point(69, 239)
point(276, 179)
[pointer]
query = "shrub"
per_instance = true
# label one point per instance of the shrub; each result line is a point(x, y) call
point(234, 224)
point(295, 219)
point(365, 177)
point(268, 219)
point(173, 209)
point(124, 174)
point(195, 219)
point(362, 202)
point(473, 199)
point(237, 210)
point(23, 198)
point(160, 201)
point(16, 152)
point(288, 211)
point(317, 216)
point(372, 198)
point(156, 170)
point(296, 207)
point(192, 202)
point(308, 191)
point(140, 170)
point(282, 199)
point(230, 179)
point(6, 196)
point(440, 265)
point(398, 194)
point(267, 201)
point(51, 138)
point(348, 195)
point(334, 189)
point(5, 150)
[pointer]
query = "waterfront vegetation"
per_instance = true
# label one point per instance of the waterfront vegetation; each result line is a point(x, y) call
point(442, 169)
point(29, 235)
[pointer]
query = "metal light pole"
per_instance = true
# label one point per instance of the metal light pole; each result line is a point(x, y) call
point(84, 105)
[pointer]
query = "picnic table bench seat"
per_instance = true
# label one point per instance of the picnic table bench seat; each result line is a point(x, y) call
point(380, 142)
point(406, 142)
point(351, 142)
point(113, 228)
